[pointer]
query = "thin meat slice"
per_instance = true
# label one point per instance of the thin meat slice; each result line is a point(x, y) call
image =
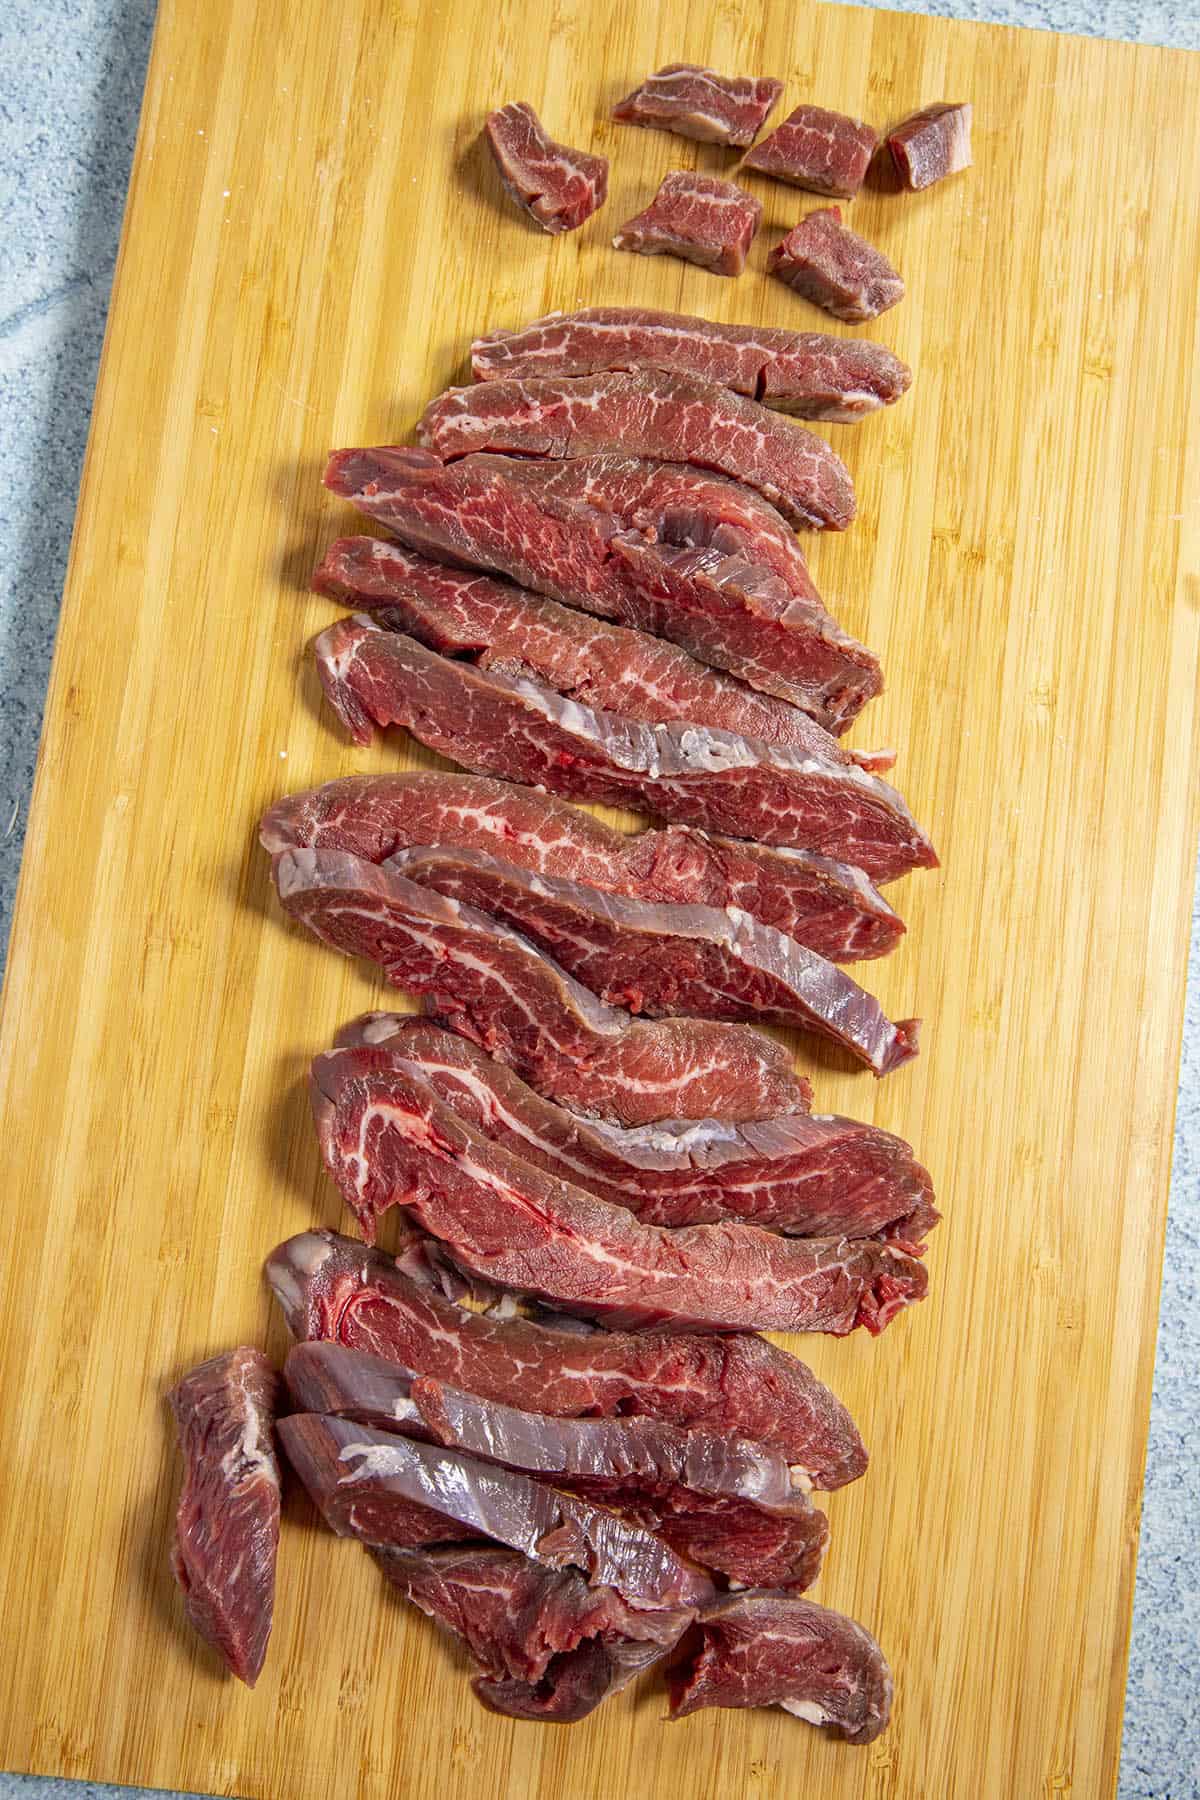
point(661, 547)
point(764, 1649)
point(545, 1644)
point(332, 1287)
point(835, 268)
point(695, 102)
point(496, 988)
point(807, 373)
point(227, 1523)
point(932, 144)
point(809, 1176)
point(505, 1220)
point(830, 906)
point(558, 187)
point(698, 218)
point(693, 775)
point(672, 418)
point(354, 1473)
point(713, 963)
point(827, 152)
point(726, 1502)
point(494, 624)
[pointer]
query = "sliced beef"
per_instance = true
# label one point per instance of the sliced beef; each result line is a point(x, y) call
point(698, 218)
point(932, 144)
point(354, 1474)
point(546, 1645)
point(495, 988)
point(663, 961)
point(835, 268)
point(558, 187)
point(827, 152)
point(657, 546)
point(694, 775)
point(698, 103)
point(807, 373)
point(671, 418)
point(510, 1223)
point(227, 1523)
point(830, 906)
point(334, 1288)
point(476, 618)
point(724, 1501)
point(763, 1649)
point(809, 1176)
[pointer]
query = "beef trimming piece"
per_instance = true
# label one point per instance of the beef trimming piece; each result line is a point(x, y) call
point(546, 1645)
point(932, 144)
point(763, 1649)
point(227, 1523)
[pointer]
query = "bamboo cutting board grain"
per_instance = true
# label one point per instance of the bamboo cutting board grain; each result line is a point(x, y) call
point(313, 236)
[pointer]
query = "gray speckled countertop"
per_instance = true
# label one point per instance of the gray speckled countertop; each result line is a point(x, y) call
point(71, 74)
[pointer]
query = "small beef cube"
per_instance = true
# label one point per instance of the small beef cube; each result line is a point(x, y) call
point(698, 103)
point(827, 152)
point(835, 268)
point(697, 217)
point(558, 187)
point(932, 144)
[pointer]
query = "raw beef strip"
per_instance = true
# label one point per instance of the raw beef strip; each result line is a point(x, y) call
point(827, 152)
point(558, 187)
point(698, 103)
point(670, 418)
point(545, 1644)
point(662, 961)
point(932, 144)
point(479, 619)
point(494, 987)
point(776, 1650)
point(227, 1525)
point(523, 731)
point(726, 1502)
point(605, 534)
point(698, 218)
point(835, 268)
point(809, 1176)
point(830, 906)
point(807, 373)
point(332, 1287)
point(507, 1221)
point(354, 1473)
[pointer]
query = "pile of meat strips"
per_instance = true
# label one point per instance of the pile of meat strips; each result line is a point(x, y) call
point(547, 1411)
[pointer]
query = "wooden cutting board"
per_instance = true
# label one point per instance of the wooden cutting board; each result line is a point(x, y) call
point(313, 236)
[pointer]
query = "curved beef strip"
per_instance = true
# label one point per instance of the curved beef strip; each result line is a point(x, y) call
point(334, 1288)
point(830, 906)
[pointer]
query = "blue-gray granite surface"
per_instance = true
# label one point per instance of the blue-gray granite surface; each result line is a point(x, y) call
point(71, 74)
